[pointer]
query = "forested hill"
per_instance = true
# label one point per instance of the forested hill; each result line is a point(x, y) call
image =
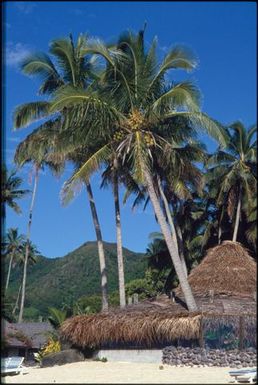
point(55, 281)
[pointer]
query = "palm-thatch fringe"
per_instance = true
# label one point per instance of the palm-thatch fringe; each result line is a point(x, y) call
point(99, 329)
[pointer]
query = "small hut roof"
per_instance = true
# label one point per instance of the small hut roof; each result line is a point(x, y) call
point(27, 334)
point(227, 269)
point(133, 326)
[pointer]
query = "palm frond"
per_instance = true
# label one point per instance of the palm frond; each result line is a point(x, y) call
point(250, 133)
point(40, 64)
point(93, 163)
point(97, 47)
point(203, 122)
point(221, 158)
point(27, 113)
point(184, 94)
point(64, 53)
point(178, 57)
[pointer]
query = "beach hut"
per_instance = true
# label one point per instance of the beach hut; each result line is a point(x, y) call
point(224, 286)
point(24, 339)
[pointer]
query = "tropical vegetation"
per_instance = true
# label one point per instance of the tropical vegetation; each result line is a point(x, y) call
point(115, 109)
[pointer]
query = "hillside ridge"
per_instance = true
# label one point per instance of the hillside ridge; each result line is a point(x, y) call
point(61, 280)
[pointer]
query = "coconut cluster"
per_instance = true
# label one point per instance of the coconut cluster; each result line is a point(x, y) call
point(135, 122)
point(119, 135)
point(148, 139)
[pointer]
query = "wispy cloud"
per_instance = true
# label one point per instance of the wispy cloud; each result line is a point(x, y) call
point(25, 7)
point(14, 53)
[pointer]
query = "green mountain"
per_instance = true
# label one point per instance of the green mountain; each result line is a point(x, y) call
point(56, 281)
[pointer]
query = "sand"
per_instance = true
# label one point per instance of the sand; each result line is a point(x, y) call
point(91, 372)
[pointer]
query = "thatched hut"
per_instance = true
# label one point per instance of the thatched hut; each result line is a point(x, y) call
point(227, 270)
point(223, 284)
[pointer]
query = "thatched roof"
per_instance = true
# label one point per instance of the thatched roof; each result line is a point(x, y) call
point(26, 334)
point(135, 327)
point(227, 269)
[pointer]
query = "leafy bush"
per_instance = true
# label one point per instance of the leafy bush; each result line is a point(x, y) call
point(52, 346)
point(103, 359)
point(89, 304)
point(31, 314)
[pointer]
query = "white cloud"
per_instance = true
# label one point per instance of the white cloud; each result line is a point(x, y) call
point(25, 7)
point(14, 53)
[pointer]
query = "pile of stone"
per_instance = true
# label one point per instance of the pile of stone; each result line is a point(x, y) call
point(209, 357)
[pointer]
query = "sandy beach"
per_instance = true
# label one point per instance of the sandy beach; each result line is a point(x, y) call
point(121, 373)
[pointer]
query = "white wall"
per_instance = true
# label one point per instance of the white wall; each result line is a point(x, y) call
point(131, 355)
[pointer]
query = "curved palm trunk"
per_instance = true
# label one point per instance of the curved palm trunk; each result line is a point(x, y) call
point(102, 261)
point(120, 261)
point(237, 218)
point(174, 233)
point(27, 246)
point(9, 271)
point(181, 247)
point(190, 301)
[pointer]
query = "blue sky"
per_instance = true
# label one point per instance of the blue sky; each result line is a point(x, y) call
point(222, 34)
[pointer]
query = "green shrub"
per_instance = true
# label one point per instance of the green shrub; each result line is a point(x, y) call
point(52, 346)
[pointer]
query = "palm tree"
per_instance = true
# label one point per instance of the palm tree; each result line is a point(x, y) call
point(11, 190)
point(234, 170)
point(33, 150)
point(72, 69)
point(27, 243)
point(115, 174)
point(77, 157)
point(12, 247)
point(135, 113)
point(33, 255)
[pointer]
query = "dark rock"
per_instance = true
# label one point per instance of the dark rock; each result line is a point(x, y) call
point(61, 358)
point(65, 345)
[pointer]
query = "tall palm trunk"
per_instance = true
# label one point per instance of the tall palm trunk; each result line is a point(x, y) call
point(190, 301)
point(181, 247)
point(9, 271)
point(102, 261)
point(20, 318)
point(174, 233)
point(237, 217)
point(219, 234)
point(17, 301)
point(220, 226)
point(120, 261)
